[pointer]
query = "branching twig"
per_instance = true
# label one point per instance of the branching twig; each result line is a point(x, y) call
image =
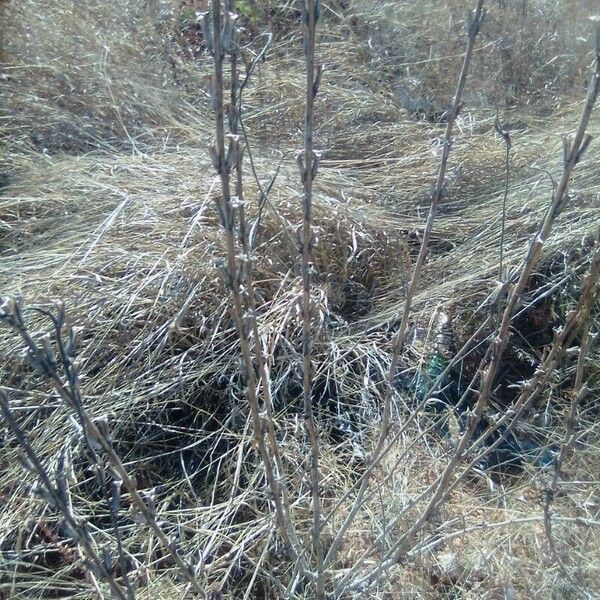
point(562, 340)
point(95, 432)
point(490, 365)
point(246, 236)
point(508, 145)
point(220, 39)
point(578, 392)
point(57, 499)
point(475, 23)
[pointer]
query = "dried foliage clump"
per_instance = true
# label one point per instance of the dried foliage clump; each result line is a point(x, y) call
point(141, 414)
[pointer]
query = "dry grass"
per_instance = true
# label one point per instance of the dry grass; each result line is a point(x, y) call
point(108, 205)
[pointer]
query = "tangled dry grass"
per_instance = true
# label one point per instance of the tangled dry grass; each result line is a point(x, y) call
point(106, 203)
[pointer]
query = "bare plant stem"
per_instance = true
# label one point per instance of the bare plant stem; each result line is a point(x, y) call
point(309, 163)
point(475, 23)
point(263, 190)
point(245, 235)
point(96, 434)
point(364, 480)
point(221, 37)
point(562, 340)
point(489, 368)
point(543, 373)
point(508, 145)
point(79, 530)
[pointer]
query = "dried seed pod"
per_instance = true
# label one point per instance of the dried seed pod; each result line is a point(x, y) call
point(73, 340)
point(62, 487)
point(474, 24)
point(566, 151)
point(232, 150)
point(299, 239)
point(46, 356)
point(503, 133)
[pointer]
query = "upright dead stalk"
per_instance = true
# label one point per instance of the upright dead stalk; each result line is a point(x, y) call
point(308, 162)
point(475, 22)
point(578, 392)
point(57, 498)
point(577, 319)
point(489, 367)
point(245, 240)
point(508, 145)
point(220, 38)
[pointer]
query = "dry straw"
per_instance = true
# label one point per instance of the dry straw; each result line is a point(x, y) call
point(108, 202)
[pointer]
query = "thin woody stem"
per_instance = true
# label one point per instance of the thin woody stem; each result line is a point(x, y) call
point(223, 162)
point(79, 530)
point(400, 336)
point(475, 23)
point(235, 123)
point(308, 169)
point(67, 388)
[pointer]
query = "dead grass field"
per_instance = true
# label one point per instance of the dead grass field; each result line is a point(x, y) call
point(106, 203)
